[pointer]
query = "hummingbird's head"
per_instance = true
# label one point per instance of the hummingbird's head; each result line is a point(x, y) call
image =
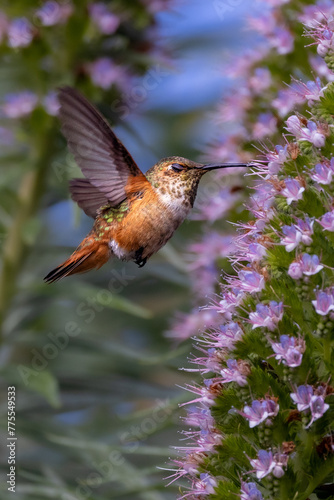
point(178, 177)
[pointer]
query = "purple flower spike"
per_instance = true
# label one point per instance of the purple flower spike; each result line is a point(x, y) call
point(293, 190)
point(327, 221)
point(324, 302)
point(20, 33)
point(264, 464)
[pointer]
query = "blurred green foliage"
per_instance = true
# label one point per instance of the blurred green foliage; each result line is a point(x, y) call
point(94, 377)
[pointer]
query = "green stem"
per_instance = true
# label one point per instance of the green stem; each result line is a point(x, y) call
point(29, 194)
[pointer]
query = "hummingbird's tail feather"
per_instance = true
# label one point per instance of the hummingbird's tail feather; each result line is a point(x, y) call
point(80, 261)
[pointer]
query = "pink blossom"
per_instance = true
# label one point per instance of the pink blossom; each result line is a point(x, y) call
point(282, 40)
point(264, 464)
point(320, 68)
point(284, 102)
point(106, 21)
point(306, 228)
point(302, 398)
point(260, 80)
point(52, 13)
point(19, 104)
point(20, 33)
point(310, 91)
point(327, 221)
point(230, 300)
point(277, 160)
point(306, 264)
point(51, 103)
point(250, 281)
point(324, 302)
point(317, 407)
point(310, 133)
point(267, 316)
point(292, 238)
point(306, 400)
point(104, 73)
point(289, 350)
point(293, 190)
point(265, 126)
point(249, 491)
point(322, 174)
point(260, 411)
point(236, 371)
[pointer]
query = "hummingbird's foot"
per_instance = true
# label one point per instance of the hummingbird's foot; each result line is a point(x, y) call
point(139, 257)
point(142, 262)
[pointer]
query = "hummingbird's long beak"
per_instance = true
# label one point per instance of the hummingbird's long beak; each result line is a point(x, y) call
point(214, 166)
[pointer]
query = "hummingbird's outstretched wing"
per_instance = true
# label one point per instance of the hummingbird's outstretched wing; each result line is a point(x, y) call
point(105, 162)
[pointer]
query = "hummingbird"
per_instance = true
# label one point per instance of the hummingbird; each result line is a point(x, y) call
point(134, 214)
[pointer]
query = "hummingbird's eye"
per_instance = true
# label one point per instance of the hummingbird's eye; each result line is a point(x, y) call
point(176, 167)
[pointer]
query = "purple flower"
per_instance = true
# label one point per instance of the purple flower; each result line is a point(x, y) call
point(311, 133)
point(306, 400)
point(293, 190)
point(104, 73)
point(265, 126)
point(322, 174)
point(231, 299)
point(327, 221)
point(260, 80)
point(260, 411)
point(250, 281)
point(277, 160)
point(318, 407)
point(306, 228)
point(106, 21)
point(311, 91)
point(20, 33)
point(236, 371)
point(282, 40)
point(249, 491)
point(292, 238)
point(324, 302)
point(52, 13)
point(20, 104)
point(310, 264)
point(281, 460)
point(289, 350)
point(267, 316)
point(51, 103)
point(306, 264)
point(302, 398)
point(255, 252)
point(264, 464)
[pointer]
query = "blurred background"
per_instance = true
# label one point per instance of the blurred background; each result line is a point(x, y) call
point(97, 379)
